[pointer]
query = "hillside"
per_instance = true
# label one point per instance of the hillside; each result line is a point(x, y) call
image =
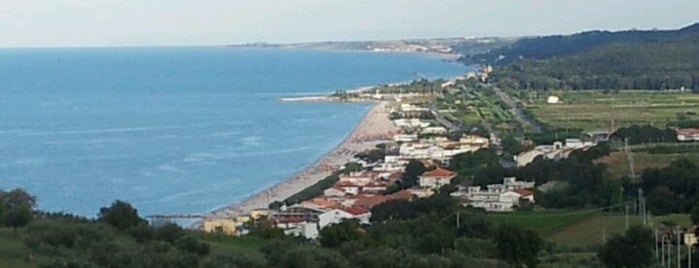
point(668, 63)
point(560, 45)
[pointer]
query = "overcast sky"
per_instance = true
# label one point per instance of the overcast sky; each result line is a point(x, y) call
point(206, 22)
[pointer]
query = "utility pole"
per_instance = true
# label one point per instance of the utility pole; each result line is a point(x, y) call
point(604, 235)
point(655, 230)
point(458, 219)
point(662, 250)
point(678, 246)
point(627, 216)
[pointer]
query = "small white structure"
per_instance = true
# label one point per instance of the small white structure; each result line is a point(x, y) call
point(436, 178)
point(553, 99)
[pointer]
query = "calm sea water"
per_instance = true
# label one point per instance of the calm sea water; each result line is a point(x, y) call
point(175, 130)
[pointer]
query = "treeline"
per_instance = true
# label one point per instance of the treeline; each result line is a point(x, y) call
point(645, 134)
point(656, 65)
point(561, 45)
point(673, 189)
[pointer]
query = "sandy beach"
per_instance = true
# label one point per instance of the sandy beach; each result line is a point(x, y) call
point(374, 128)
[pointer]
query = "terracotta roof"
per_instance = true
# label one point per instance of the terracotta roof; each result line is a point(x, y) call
point(290, 219)
point(523, 192)
point(343, 184)
point(356, 210)
point(687, 131)
point(438, 172)
point(322, 202)
point(368, 201)
point(402, 194)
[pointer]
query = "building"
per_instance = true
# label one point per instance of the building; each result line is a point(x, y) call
point(434, 179)
point(307, 219)
point(558, 150)
point(496, 197)
point(688, 134)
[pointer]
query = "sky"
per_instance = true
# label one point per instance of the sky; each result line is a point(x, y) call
point(49, 23)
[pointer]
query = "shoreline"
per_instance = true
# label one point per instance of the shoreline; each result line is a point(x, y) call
point(373, 128)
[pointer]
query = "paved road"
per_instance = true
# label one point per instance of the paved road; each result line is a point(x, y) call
point(518, 112)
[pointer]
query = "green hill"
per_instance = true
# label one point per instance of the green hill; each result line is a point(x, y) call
point(670, 63)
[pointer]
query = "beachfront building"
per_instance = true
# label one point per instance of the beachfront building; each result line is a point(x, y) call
point(234, 226)
point(496, 197)
point(434, 179)
point(558, 150)
point(441, 148)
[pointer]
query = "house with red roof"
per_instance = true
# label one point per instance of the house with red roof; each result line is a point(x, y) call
point(687, 134)
point(436, 178)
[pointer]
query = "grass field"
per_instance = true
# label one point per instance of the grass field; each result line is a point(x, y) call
point(479, 107)
point(595, 109)
point(618, 164)
point(577, 228)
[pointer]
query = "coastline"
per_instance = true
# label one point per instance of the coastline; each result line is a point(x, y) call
point(374, 128)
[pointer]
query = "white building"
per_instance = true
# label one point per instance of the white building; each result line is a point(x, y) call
point(307, 220)
point(434, 179)
point(497, 197)
point(556, 151)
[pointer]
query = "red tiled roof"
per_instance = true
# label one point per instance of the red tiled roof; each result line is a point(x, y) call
point(368, 201)
point(687, 131)
point(402, 194)
point(523, 192)
point(343, 184)
point(438, 172)
point(356, 210)
point(290, 219)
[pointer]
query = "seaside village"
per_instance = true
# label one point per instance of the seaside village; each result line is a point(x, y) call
point(418, 136)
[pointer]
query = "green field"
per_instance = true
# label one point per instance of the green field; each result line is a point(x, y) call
point(618, 163)
point(580, 229)
point(479, 107)
point(595, 109)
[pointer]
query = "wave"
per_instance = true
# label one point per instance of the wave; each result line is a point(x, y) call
point(127, 129)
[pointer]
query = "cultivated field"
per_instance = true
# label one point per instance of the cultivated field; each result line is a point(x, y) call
point(595, 109)
point(581, 229)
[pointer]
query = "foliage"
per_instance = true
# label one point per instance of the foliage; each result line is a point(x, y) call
point(336, 234)
point(413, 170)
point(16, 208)
point(645, 134)
point(518, 246)
point(561, 45)
point(673, 189)
point(120, 215)
point(482, 166)
point(633, 249)
point(650, 64)
point(314, 190)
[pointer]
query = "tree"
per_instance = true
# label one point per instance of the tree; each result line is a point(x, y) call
point(633, 249)
point(120, 215)
point(16, 208)
point(413, 170)
point(518, 246)
point(337, 234)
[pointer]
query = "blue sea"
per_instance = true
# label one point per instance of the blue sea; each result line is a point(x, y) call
point(176, 130)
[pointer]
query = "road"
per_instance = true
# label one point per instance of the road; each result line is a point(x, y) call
point(516, 110)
